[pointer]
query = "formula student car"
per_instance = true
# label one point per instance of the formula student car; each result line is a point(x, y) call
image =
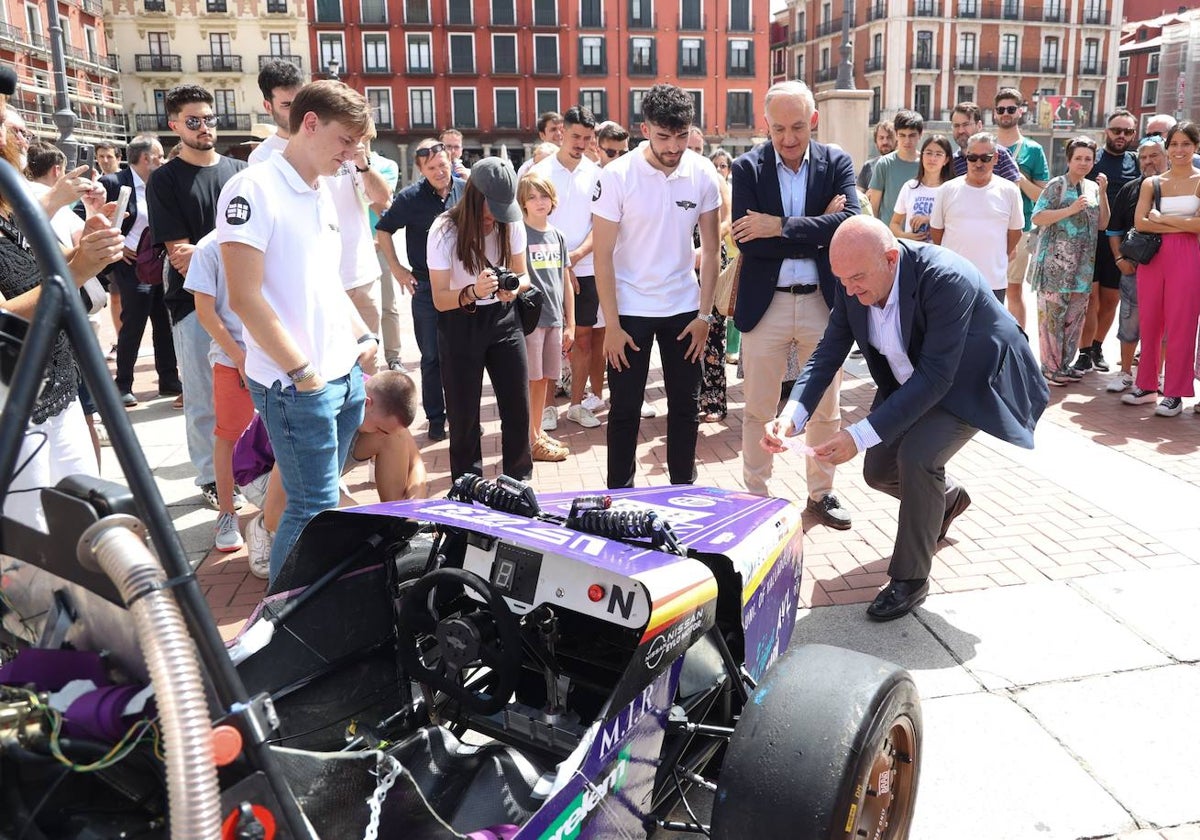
point(488, 665)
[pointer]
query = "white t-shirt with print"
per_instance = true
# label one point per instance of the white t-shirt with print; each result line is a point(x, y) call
point(976, 221)
point(442, 239)
point(271, 209)
point(206, 274)
point(654, 261)
point(914, 200)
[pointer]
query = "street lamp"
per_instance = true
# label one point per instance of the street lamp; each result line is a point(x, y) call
point(64, 117)
point(845, 72)
point(332, 67)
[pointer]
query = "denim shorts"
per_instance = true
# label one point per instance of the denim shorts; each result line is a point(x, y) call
point(1128, 326)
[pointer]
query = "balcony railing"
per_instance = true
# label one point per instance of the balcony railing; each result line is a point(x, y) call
point(927, 8)
point(1096, 17)
point(155, 5)
point(1049, 65)
point(965, 62)
point(233, 122)
point(92, 7)
point(1094, 68)
point(161, 63)
point(8, 32)
point(827, 27)
point(922, 61)
point(219, 63)
point(376, 69)
point(277, 7)
point(152, 122)
point(873, 64)
point(826, 74)
point(298, 60)
point(876, 11)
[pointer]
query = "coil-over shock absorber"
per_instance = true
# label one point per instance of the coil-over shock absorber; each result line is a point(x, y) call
point(504, 494)
point(623, 524)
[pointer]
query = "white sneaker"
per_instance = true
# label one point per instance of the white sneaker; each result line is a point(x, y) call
point(592, 403)
point(1120, 382)
point(579, 414)
point(648, 411)
point(549, 418)
point(102, 434)
point(228, 537)
point(259, 551)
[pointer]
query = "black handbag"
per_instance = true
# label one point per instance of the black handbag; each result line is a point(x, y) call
point(529, 309)
point(1139, 247)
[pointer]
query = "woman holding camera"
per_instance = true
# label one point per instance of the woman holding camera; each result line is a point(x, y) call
point(476, 271)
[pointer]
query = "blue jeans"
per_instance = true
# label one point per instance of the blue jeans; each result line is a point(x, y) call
point(192, 343)
point(425, 321)
point(311, 434)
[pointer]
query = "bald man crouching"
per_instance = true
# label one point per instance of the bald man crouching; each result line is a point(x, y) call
point(948, 360)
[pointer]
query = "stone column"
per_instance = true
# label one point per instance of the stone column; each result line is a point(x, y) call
point(845, 119)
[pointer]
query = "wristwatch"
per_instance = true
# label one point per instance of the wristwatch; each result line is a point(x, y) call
point(709, 319)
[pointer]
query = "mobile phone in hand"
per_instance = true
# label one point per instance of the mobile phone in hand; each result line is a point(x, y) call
point(122, 205)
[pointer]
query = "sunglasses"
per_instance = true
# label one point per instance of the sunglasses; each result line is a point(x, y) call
point(194, 123)
point(428, 151)
point(1128, 132)
point(988, 158)
point(1007, 109)
point(612, 153)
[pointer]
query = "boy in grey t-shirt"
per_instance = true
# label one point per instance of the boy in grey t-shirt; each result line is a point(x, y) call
point(548, 265)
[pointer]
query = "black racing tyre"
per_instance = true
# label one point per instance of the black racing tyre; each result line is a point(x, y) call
point(827, 748)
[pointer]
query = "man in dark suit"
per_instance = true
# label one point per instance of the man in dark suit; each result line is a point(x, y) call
point(140, 301)
point(789, 196)
point(948, 360)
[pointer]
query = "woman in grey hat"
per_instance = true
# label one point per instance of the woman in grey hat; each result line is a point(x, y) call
point(476, 271)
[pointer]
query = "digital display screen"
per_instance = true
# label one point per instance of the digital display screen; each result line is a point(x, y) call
point(515, 572)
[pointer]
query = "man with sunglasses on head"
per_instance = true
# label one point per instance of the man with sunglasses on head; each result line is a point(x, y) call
point(1118, 161)
point(979, 216)
point(413, 209)
point(182, 198)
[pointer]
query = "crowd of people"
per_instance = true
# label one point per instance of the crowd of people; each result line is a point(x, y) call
point(561, 276)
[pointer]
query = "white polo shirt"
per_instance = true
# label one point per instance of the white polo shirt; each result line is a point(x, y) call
point(270, 208)
point(573, 215)
point(654, 262)
point(359, 265)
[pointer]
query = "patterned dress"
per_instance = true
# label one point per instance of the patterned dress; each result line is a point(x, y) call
point(1060, 272)
point(712, 382)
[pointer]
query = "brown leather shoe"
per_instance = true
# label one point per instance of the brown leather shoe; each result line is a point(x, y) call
point(829, 512)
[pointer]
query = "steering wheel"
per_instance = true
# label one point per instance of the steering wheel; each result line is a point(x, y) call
point(489, 636)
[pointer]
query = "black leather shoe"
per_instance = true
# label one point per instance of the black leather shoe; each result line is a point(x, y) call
point(954, 511)
point(898, 598)
point(170, 390)
point(437, 430)
point(829, 512)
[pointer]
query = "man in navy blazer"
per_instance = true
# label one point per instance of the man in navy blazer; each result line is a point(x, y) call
point(789, 196)
point(948, 360)
point(140, 302)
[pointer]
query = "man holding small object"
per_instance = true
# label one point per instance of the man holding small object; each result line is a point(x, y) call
point(947, 359)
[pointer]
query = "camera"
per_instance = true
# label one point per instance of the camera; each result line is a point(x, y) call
point(506, 280)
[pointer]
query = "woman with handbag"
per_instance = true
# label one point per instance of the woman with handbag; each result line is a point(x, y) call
point(1069, 214)
point(1169, 284)
point(476, 270)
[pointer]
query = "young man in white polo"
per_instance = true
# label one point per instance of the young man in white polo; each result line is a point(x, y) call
point(644, 209)
point(574, 178)
point(304, 338)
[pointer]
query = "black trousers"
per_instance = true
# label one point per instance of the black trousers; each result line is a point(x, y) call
point(469, 343)
point(627, 390)
point(141, 303)
point(913, 470)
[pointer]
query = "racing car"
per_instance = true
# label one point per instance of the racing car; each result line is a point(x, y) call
point(492, 664)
